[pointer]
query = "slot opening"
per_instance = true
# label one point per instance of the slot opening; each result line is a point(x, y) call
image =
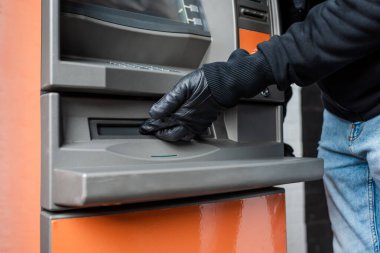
point(124, 129)
point(254, 14)
point(114, 128)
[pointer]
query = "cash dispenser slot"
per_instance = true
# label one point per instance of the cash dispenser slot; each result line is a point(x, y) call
point(80, 171)
point(123, 129)
point(114, 128)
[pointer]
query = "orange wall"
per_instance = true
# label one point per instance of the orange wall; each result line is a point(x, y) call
point(19, 125)
point(253, 225)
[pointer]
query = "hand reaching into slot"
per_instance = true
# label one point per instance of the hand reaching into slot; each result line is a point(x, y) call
point(197, 99)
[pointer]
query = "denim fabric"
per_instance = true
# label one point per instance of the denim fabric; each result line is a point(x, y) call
point(351, 152)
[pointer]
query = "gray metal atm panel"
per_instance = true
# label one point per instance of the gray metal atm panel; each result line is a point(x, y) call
point(97, 75)
point(79, 171)
point(144, 183)
point(114, 76)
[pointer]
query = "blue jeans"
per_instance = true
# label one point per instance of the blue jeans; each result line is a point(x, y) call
point(351, 152)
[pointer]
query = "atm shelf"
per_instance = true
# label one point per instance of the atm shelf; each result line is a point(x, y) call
point(80, 171)
point(113, 185)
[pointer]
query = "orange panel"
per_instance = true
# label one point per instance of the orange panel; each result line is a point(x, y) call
point(20, 52)
point(236, 226)
point(250, 39)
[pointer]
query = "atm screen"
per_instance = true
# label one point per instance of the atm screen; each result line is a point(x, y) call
point(151, 32)
point(182, 12)
point(171, 9)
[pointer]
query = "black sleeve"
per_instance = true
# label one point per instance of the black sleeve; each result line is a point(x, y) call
point(334, 34)
point(243, 75)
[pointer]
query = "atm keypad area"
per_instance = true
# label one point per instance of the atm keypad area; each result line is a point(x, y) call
point(104, 63)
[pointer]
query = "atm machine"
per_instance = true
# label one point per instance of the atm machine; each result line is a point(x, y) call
point(105, 187)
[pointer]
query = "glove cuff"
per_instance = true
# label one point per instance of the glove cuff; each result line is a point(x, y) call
point(242, 76)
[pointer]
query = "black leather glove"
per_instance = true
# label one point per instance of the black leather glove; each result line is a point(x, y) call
point(194, 103)
point(186, 111)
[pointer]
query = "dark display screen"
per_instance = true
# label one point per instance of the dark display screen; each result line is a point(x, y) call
point(183, 11)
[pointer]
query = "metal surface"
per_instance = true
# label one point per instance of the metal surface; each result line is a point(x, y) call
point(79, 171)
point(85, 75)
point(67, 144)
point(275, 16)
point(158, 70)
point(164, 204)
point(244, 224)
point(112, 42)
point(99, 186)
point(254, 123)
point(100, 76)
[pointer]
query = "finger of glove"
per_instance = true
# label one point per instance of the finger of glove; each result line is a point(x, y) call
point(170, 102)
point(173, 134)
point(151, 126)
point(238, 54)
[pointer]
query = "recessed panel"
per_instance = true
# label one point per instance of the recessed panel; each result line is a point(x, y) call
point(250, 224)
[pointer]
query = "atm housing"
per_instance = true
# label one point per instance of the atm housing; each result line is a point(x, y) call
point(103, 66)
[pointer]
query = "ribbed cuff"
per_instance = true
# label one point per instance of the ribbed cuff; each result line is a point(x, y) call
point(242, 76)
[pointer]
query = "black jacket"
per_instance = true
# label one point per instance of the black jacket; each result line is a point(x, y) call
point(338, 46)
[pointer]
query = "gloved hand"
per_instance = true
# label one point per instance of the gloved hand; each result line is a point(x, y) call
point(197, 99)
point(186, 111)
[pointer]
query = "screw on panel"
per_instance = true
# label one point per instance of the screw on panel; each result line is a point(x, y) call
point(265, 93)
